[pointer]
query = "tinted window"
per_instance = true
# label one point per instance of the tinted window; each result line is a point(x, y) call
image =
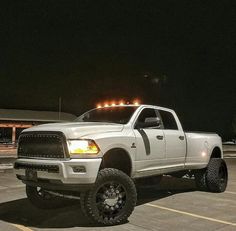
point(168, 120)
point(120, 115)
point(5, 135)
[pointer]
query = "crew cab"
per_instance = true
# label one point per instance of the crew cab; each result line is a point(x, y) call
point(106, 150)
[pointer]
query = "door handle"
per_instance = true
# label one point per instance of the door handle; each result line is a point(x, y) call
point(181, 137)
point(159, 137)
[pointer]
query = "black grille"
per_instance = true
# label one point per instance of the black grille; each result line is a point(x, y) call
point(42, 145)
point(38, 167)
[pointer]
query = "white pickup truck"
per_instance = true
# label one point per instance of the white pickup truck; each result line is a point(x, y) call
point(106, 150)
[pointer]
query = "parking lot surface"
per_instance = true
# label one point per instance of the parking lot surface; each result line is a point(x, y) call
point(175, 204)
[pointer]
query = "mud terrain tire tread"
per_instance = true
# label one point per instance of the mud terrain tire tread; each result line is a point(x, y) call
point(106, 175)
point(215, 168)
point(200, 179)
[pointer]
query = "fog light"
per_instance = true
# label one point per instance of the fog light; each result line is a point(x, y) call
point(80, 169)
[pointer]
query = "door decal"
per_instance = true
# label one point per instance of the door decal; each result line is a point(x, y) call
point(145, 141)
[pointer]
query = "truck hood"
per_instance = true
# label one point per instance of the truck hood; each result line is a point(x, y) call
point(74, 130)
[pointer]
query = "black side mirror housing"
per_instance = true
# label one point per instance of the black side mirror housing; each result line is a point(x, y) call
point(149, 122)
point(153, 121)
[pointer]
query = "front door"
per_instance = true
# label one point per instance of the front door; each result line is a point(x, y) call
point(150, 142)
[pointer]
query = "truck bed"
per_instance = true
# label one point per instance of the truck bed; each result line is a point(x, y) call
point(199, 148)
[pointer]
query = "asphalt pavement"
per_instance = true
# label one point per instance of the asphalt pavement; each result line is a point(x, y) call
point(175, 205)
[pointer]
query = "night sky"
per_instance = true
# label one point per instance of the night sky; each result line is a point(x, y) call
point(178, 54)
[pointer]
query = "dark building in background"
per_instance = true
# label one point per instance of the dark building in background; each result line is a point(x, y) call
point(13, 122)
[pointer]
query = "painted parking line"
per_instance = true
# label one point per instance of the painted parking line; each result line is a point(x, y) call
point(191, 214)
point(22, 227)
point(230, 192)
point(14, 187)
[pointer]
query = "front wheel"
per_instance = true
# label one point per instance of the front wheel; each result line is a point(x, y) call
point(112, 199)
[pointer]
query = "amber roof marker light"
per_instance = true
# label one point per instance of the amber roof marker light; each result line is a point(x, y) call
point(118, 103)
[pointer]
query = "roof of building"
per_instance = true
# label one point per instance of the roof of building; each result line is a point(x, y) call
point(37, 116)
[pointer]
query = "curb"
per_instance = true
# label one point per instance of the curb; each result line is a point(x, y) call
point(8, 156)
point(229, 154)
point(6, 168)
point(7, 161)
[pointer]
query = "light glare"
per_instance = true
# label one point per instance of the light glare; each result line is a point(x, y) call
point(118, 103)
point(82, 147)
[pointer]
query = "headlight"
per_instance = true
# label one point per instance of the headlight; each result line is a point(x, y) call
point(82, 147)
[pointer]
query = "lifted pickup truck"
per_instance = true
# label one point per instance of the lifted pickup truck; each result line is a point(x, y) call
point(106, 150)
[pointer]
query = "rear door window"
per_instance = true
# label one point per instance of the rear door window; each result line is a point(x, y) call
point(168, 120)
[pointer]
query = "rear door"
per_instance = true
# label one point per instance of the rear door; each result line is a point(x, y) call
point(150, 142)
point(175, 141)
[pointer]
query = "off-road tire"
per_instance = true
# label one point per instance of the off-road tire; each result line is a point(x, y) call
point(97, 203)
point(43, 200)
point(217, 175)
point(83, 201)
point(214, 178)
point(200, 179)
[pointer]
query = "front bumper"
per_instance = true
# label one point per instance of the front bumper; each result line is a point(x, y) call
point(63, 171)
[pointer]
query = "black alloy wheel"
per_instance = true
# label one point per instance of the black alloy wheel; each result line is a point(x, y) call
point(112, 199)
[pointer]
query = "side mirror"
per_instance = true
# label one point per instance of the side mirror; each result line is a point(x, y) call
point(152, 122)
point(149, 122)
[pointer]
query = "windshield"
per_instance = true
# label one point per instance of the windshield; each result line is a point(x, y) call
point(119, 115)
